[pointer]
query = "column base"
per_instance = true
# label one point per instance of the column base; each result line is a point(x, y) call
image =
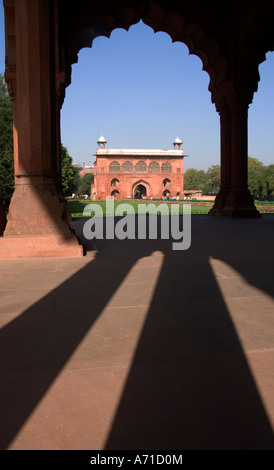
point(219, 202)
point(38, 223)
point(40, 247)
point(239, 204)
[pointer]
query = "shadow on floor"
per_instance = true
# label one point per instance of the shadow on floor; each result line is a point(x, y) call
point(190, 386)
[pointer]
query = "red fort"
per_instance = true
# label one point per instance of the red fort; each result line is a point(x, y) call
point(138, 173)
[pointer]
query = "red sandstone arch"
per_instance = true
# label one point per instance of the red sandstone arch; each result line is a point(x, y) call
point(114, 182)
point(154, 167)
point(143, 183)
point(127, 167)
point(140, 167)
point(166, 183)
point(233, 73)
point(114, 167)
point(166, 167)
point(115, 193)
point(159, 17)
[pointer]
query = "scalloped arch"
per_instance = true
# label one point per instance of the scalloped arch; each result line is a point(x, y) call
point(159, 19)
point(140, 181)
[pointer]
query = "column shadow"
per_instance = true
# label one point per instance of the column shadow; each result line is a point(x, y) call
point(189, 387)
point(35, 346)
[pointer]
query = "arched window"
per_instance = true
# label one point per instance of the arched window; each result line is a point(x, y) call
point(127, 167)
point(114, 167)
point(140, 167)
point(166, 167)
point(115, 194)
point(114, 182)
point(154, 167)
point(166, 182)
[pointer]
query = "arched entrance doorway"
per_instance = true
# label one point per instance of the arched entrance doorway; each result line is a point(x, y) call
point(115, 194)
point(140, 191)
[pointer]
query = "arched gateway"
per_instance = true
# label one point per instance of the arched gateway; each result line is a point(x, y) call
point(140, 191)
point(38, 69)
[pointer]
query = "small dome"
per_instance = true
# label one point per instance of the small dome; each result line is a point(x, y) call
point(177, 141)
point(102, 140)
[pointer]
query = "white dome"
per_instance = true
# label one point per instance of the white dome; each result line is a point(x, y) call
point(177, 141)
point(102, 140)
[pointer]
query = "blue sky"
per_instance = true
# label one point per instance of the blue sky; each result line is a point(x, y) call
point(140, 90)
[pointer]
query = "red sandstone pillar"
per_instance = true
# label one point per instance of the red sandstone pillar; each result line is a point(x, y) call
point(239, 202)
point(234, 198)
point(225, 147)
point(10, 78)
point(37, 225)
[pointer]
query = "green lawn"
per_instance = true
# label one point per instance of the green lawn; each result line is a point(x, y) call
point(197, 208)
point(76, 207)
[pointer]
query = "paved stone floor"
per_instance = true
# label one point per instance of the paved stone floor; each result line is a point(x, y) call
point(136, 346)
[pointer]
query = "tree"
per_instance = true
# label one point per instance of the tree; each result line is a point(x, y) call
point(84, 186)
point(194, 179)
point(256, 174)
point(268, 183)
point(212, 180)
point(70, 173)
point(6, 143)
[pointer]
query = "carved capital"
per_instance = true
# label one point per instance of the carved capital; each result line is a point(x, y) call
point(222, 98)
point(231, 97)
point(220, 103)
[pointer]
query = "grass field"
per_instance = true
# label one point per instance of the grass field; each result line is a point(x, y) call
point(197, 208)
point(76, 207)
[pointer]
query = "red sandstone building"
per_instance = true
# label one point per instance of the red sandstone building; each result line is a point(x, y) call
point(138, 173)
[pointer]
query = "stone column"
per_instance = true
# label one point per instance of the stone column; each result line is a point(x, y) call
point(225, 148)
point(239, 202)
point(10, 78)
point(37, 225)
